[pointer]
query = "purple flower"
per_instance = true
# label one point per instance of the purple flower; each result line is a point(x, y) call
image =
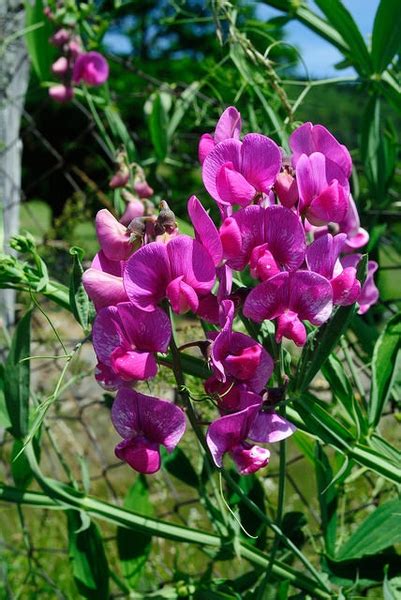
point(228, 126)
point(125, 340)
point(236, 356)
point(237, 172)
point(291, 298)
point(271, 239)
point(369, 294)
point(91, 68)
point(205, 230)
point(286, 189)
point(309, 138)
point(114, 238)
point(181, 271)
point(322, 257)
point(145, 423)
point(357, 237)
point(322, 198)
point(61, 93)
point(103, 281)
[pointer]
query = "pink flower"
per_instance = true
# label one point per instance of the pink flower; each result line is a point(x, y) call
point(134, 208)
point(60, 66)
point(237, 172)
point(103, 282)
point(60, 38)
point(322, 199)
point(237, 357)
point(369, 294)
point(286, 189)
point(181, 271)
point(61, 93)
point(143, 189)
point(291, 298)
point(357, 237)
point(91, 68)
point(228, 126)
point(113, 237)
point(125, 340)
point(270, 239)
point(205, 230)
point(145, 423)
point(322, 257)
point(309, 138)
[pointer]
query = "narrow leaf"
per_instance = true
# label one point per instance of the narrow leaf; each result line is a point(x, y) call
point(89, 562)
point(158, 128)
point(80, 303)
point(384, 367)
point(4, 418)
point(16, 384)
point(38, 31)
point(134, 547)
point(386, 36)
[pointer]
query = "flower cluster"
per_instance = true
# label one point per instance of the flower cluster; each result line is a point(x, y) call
point(74, 65)
point(288, 223)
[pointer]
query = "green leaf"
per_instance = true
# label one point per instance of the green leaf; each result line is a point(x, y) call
point(80, 303)
point(134, 547)
point(178, 464)
point(391, 587)
point(4, 418)
point(158, 127)
point(386, 36)
point(328, 498)
point(339, 17)
point(379, 531)
point(384, 368)
point(16, 384)
point(120, 130)
point(89, 562)
point(20, 467)
point(38, 31)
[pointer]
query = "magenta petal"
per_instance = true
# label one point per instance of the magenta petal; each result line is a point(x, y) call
point(107, 333)
point(106, 377)
point(132, 365)
point(102, 263)
point(286, 189)
point(231, 238)
point(144, 330)
point(250, 459)
point(330, 205)
point(181, 296)
point(268, 299)
point(205, 230)
point(261, 161)
point(290, 327)
point(208, 309)
point(263, 369)
point(311, 178)
point(346, 287)
point(140, 454)
point(322, 254)
point(146, 276)
point(249, 231)
point(285, 236)
point(113, 236)
point(311, 296)
point(91, 68)
point(369, 294)
point(270, 427)
point(232, 187)
point(228, 151)
point(103, 289)
point(158, 420)
point(205, 146)
point(189, 258)
point(228, 126)
point(227, 432)
point(244, 364)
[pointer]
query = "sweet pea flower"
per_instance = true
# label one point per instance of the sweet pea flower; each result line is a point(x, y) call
point(270, 239)
point(322, 257)
point(291, 298)
point(308, 139)
point(91, 68)
point(61, 93)
point(143, 189)
point(145, 423)
point(229, 434)
point(236, 357)
point(125, 340)
point(205, 230)
point(113, 237)
point(357, 237)
point(60, 66)
point(369, 293)
point(228, 126)
point(60, 38)
point(103, 281)
point(322, 199)
point(286, 188)
point(237, 172)
point(181, 271)
point(134, 208)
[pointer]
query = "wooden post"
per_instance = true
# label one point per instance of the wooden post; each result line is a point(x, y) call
point(14, 77)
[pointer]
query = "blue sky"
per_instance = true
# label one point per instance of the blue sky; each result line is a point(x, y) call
point(319, 56)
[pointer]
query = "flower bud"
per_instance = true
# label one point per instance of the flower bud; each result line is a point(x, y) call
point(61, 93)
point(60, 38)
point(60, 66)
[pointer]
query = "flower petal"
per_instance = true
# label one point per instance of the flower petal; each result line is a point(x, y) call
point(107, 333)
point(113, 236)
point(103, 289)
point(322, 254)
point(285, 236)
point(146, 276)
point(147, 331)
point(133, 365)
point(205, 230)
point(260, 161)
point(228, 126)
point(140, 454)
point(189, 258)
point(228, 151)
point(311, 296)
point(181, 296)
point(270, 427)
point(232, 187)
point(268, 299)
